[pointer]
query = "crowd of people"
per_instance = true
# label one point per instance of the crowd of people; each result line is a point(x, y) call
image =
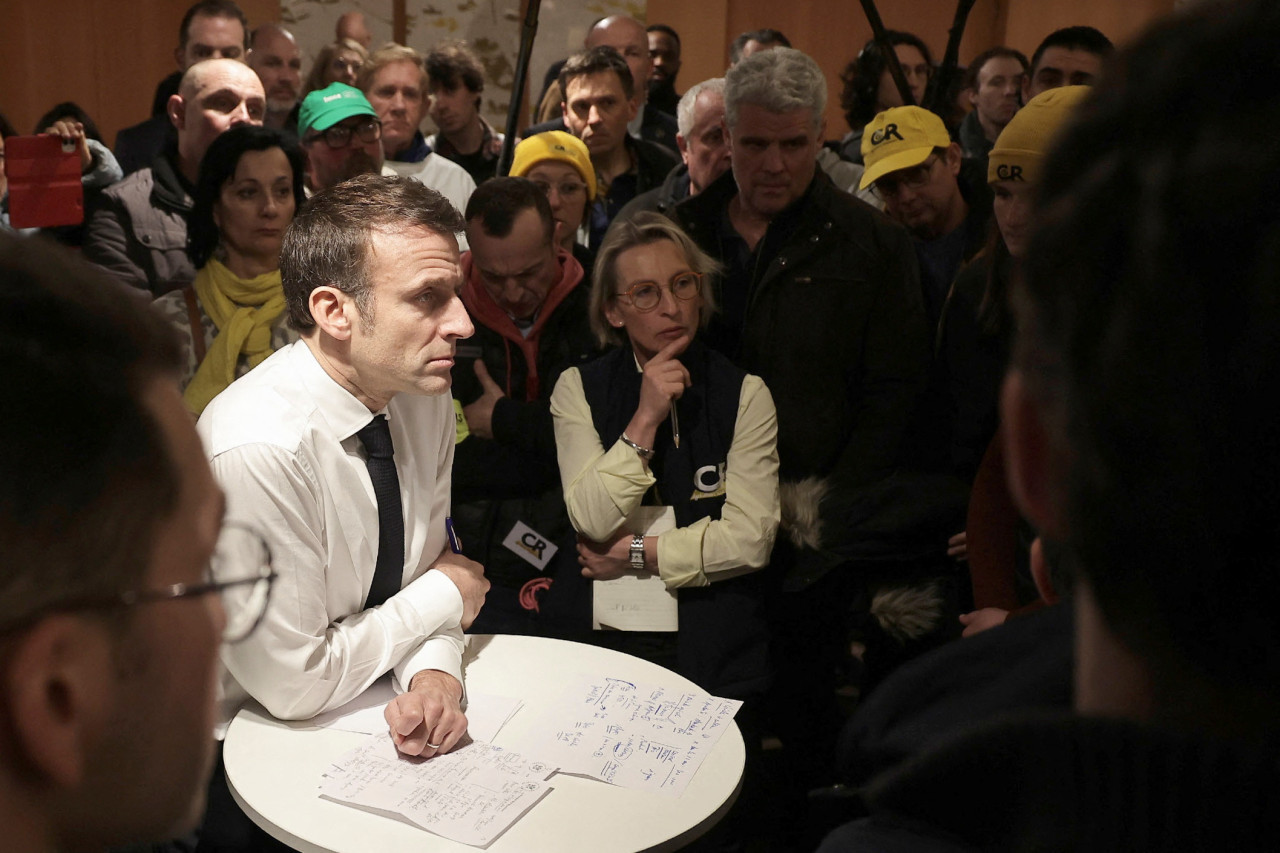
point(956, 420)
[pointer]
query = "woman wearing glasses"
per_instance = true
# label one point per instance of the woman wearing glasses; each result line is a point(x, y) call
point(338, 62)
point(663, 420)
point(560, 165)
point(232, 317)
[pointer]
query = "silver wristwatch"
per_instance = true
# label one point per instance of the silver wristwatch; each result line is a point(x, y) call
point(637, 553)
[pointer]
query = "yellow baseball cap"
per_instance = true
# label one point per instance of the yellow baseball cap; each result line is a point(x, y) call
point(899, 138)
point(1021, 146)
point(555, 145)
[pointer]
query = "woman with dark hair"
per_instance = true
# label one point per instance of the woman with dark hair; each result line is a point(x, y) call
point(232, 317)
point(869, 87)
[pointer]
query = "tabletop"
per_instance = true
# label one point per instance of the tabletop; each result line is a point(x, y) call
point(274, 768)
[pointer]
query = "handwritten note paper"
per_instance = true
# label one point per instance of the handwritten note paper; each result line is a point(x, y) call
point(470, 795)
point(630, 734)
point(631, 602)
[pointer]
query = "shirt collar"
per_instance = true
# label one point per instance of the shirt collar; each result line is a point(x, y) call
point(344, 414)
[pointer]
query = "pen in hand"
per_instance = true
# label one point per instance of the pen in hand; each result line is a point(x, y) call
point(675, 425)
point(455, 543)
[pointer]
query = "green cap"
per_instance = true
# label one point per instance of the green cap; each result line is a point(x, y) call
point(324, 108)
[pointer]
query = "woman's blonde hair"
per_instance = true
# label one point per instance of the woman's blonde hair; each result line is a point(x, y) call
point(642, 230)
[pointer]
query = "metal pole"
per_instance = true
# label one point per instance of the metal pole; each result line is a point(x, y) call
point(890, 55)
point(940, 85)
point(527, 34)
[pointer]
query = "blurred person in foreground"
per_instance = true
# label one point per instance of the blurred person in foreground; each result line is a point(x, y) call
point(109, 619)
point(1139, 445)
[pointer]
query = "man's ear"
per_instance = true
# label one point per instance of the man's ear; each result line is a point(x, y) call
point(335, 312)
point(179, 55)
point(1029, 456)
point(955, 157)
point(58, 694)
point(177, 110)
point(1040, 574)
point(683, 148)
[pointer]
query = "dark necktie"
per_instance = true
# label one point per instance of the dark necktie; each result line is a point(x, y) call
point(376, 438)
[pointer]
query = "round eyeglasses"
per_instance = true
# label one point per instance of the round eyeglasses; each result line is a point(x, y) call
point(339, 136)
point(645, 295)
point(239, 571)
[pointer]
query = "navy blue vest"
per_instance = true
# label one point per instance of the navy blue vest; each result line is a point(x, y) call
point(722, 644)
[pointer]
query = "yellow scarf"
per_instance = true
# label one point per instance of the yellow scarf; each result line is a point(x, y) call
point(244, 310)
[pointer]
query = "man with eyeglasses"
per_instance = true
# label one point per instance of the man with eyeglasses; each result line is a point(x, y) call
point(110, 528)
point(919, 174)
point(341, 134)
point(525, 296)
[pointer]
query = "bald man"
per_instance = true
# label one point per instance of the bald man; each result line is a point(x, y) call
point(628, 37)
point(276, 60)
point(352, 26)
point(138, 229)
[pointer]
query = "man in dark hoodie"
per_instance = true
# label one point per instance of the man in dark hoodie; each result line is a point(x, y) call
point(522, 292)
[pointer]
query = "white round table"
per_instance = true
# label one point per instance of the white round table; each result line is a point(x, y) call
point(274, 769)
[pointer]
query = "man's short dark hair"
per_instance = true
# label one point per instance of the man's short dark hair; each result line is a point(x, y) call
point(212, 9)
point(861, 77)
point(86, 473)
point(596, 60)
point(1149, 330)
point(999, 52)
point(453, 63)
point(328, 241)
point(764, 36)
point(1074, 38)
point(663, 28)
point(498, 201)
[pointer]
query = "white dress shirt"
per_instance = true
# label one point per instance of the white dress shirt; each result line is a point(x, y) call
point(282, 442)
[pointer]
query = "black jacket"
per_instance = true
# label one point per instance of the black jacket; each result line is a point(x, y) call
point(514, 476)
point(835, 327)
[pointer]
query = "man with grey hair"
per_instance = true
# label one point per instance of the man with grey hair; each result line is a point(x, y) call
point(821, 298)
point(704, 150)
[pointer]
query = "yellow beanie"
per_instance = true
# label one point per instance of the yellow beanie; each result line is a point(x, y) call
point(1021, 146)
point(555, 145)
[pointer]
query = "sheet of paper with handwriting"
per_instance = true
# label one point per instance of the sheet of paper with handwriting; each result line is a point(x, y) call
point(631, 734)
point(471, 795)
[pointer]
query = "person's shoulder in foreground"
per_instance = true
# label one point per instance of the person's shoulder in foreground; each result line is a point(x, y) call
point(1134, 413)
point(106, 501)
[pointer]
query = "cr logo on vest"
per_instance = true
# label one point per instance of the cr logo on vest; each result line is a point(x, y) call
point(1005, 172)
point(533, 543)
point(884, 134)
point(708, 482)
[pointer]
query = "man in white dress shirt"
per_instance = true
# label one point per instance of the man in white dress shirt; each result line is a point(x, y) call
point(371, 279)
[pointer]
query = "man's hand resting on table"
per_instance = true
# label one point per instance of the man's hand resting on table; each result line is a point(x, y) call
point(427, 720)
point(468, 577)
